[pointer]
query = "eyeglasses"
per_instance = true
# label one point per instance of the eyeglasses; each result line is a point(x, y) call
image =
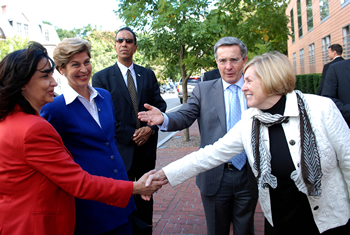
point(127, 40)
point(231, 61)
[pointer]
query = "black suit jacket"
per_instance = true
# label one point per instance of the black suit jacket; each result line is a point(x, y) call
point(336, 87)
point(324, 72)
point(112, 80)
point(211, 75)
point(207, 105)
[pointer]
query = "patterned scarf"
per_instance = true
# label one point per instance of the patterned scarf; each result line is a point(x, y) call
point(309, 182)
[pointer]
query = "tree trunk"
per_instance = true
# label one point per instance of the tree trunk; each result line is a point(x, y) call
point(184, 86)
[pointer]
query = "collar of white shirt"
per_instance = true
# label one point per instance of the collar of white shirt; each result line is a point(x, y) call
point(239, 83)
point(70, 94)
point(124, 69)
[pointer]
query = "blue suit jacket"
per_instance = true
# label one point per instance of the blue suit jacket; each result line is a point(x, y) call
point(94, 149)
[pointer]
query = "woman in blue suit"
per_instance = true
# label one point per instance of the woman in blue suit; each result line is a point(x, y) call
point(84, 117)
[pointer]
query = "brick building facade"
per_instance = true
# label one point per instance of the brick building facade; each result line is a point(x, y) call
point(314, 26)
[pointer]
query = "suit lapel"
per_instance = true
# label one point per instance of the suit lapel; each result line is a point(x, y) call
point(140, 81)
point(100, 106)
point(80, 111)
point(217, 93)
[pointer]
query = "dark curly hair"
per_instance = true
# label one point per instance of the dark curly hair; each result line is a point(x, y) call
point(16, 69)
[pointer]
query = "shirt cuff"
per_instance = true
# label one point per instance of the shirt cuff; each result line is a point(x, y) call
point(165, 124)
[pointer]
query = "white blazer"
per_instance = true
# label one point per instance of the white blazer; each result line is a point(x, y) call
point(330, 209)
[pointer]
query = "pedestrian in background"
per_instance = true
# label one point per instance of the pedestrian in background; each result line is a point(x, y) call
point(334, 54)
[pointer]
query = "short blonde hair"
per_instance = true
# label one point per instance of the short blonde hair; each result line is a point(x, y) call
point(276, 73)
point(67, 48)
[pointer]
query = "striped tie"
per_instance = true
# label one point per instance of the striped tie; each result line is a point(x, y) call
point(133, 96)
point(235, 115)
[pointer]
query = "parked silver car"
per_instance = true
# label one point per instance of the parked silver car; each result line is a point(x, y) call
point(191, 83)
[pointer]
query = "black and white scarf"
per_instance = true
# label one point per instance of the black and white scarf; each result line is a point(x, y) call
point(309, 182)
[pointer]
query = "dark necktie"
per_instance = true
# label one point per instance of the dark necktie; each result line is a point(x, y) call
point(133, 96)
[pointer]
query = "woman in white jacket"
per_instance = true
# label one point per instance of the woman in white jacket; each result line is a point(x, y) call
point(297, 145)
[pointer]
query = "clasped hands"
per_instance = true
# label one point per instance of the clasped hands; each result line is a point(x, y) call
point(153, 117)
point(149, 183)
point(141, 135)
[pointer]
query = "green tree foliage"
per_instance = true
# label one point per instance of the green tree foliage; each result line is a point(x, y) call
point(64, 33)
point(177, 36)
point(164, 71)
point(183, 33)
point(80, 32)
point(12, 44)
point(46, 22)
point(103, 53)
point(255, 22)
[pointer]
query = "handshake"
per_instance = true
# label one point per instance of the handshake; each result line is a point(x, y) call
point(149, 183)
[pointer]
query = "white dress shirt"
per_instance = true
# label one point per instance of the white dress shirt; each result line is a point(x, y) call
point(124, 71)
point(240, 93)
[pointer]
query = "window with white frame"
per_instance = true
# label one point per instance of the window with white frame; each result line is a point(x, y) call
point(324, 9)
point(300, 24)
point(344, 2)
point(19, 28)
point(312, 61)
point(47, 38)
point(25, 29)
point(292, 25)
point(301, 58)
point(295, 62)
point(326, 42)
point(346, 42)
point(310, 19)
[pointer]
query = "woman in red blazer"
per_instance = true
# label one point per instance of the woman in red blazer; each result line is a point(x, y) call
point(38, 176)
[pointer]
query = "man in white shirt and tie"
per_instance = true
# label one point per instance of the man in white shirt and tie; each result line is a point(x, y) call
point(229, 191)
point(131, 86)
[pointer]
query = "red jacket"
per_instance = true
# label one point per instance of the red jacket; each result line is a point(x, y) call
point(39, 179)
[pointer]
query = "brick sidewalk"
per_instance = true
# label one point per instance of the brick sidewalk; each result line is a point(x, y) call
point(179, 210)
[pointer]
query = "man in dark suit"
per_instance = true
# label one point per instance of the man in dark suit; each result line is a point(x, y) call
point(334, 54)
point(336, 87)
point(229, 191)
point(131, 86)
point(212, 74)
